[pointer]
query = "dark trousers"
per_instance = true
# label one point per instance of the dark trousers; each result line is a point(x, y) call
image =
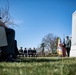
point(9, 49)
point(15, 48)
point(68, 51)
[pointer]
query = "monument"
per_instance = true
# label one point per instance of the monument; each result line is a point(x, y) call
point(73, 39)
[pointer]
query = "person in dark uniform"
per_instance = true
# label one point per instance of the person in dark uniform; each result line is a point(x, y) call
point(25, 52)
point(8, 52)
point(68, 45)
point(34, 52)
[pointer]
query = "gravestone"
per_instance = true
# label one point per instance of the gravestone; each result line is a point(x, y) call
point(73, 40)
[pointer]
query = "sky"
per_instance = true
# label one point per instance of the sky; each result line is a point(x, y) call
point(37, 18)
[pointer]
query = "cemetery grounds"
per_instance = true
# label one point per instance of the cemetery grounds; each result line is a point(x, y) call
point(40, 66)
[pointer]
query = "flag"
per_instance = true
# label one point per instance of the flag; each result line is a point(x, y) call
point(59, 48)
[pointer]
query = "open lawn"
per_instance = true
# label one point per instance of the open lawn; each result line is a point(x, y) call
point(40, 66)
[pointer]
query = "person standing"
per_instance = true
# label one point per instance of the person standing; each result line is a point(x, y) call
point(25, 52)
point(68, 45)
point(8, 51)
point(21, 53)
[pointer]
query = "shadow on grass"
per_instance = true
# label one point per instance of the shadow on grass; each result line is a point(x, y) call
point(38, 60)
point(43, 59)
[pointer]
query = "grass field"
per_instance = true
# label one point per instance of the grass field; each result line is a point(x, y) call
point(40, 66)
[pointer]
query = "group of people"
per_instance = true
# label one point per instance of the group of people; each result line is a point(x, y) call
point(29, 52)
point(8, 44)
point(65, 47)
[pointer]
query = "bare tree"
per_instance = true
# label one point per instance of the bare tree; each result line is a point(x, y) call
point(5, 14)
point(50, 41)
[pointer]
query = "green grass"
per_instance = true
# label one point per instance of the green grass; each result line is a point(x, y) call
point(40, 66)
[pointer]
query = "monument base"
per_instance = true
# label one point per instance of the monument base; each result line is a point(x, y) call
point(73, 51)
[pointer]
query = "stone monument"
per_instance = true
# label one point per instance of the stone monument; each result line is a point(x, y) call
point(73, 39)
